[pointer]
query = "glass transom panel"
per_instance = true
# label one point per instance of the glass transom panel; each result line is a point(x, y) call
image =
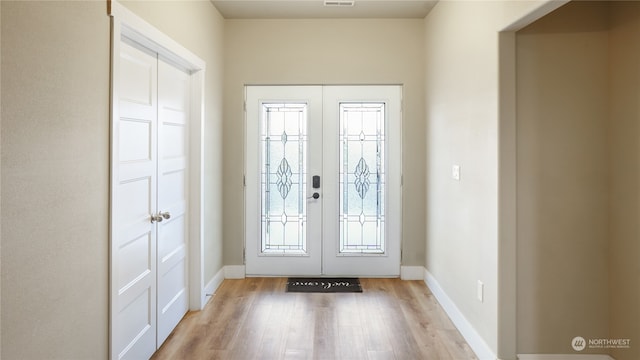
point(362, 178)
point(283, 173)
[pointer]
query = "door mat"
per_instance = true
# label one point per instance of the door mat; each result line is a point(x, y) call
point(324, 285)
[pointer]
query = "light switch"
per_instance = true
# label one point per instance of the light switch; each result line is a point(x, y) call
point(455, 172)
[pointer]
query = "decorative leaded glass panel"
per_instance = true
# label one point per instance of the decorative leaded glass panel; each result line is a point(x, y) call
point(362, 178)
point(283, 178)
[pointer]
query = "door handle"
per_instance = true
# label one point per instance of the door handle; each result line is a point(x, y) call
point(160, 216)
point(314, 196)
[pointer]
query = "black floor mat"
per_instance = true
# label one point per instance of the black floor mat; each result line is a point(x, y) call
point(323, 285)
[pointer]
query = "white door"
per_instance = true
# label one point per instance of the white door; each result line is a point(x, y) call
point(323, 180)
point(133, 252)
point(173, 160)
point(149, 192)
point(283, 219)
point(362, 188)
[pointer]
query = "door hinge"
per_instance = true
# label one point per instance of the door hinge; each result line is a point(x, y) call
point(244, 180)
point(244, 256)
point(244, 106)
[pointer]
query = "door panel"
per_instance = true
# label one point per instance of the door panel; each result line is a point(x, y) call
point(133, 239)
point(134, 140)
point(353, 145)
point(283, 221)
point(173, 115)
point(362, 171)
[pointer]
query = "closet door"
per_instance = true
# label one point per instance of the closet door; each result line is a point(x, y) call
point(149, 285)
point(134, 173)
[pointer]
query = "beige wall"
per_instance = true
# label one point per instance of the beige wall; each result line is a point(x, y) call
point(624, 169)
point(0, 182)
point(55, 142)
point(461, 80)
point(325, 52)
point(562, 154)
point(55, 167)
point(463, 125)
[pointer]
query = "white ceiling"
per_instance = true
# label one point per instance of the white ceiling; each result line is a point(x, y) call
point(315, 9)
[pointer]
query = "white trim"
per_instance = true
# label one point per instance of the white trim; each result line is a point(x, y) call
point(234, 272)
point(145, 34)
point(197, 291)
point(412, 272)
point(564, 357)
point(214, 283)
point(475, 341)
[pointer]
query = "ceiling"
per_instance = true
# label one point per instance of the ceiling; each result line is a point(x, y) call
point(315, 9)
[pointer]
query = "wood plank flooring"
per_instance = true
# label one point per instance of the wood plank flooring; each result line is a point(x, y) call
point(255, 318)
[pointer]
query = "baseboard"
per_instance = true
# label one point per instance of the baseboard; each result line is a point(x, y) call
point(213, 284)
point(412, 272)
point(234, 272)
point(475, 341)
point(564, 357)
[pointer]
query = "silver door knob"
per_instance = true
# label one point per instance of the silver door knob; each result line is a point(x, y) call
point(166, 215)
point(156, 218)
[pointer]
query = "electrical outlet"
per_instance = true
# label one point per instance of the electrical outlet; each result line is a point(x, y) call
point(455, 172)
point(480, 291)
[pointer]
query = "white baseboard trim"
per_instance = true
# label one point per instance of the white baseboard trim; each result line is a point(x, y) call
point(412, 272)
point(564, 357)
point(213, 284)
point(475, 341)
point(234, 272)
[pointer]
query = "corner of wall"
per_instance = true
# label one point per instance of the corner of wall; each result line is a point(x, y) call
point(476, 342)
point(507, 194)
point(0, 178)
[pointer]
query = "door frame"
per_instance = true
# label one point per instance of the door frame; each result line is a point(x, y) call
point(125, 23)
point(396, 179)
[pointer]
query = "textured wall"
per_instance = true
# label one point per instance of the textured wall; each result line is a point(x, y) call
point(55, 163)
point(325, 52)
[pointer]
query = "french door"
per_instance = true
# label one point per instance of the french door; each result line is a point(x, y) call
point(323, 180)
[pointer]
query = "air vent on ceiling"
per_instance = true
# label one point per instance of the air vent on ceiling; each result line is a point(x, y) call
point(339, 2)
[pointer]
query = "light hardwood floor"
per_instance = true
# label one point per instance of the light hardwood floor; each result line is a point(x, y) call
point(255, 318)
